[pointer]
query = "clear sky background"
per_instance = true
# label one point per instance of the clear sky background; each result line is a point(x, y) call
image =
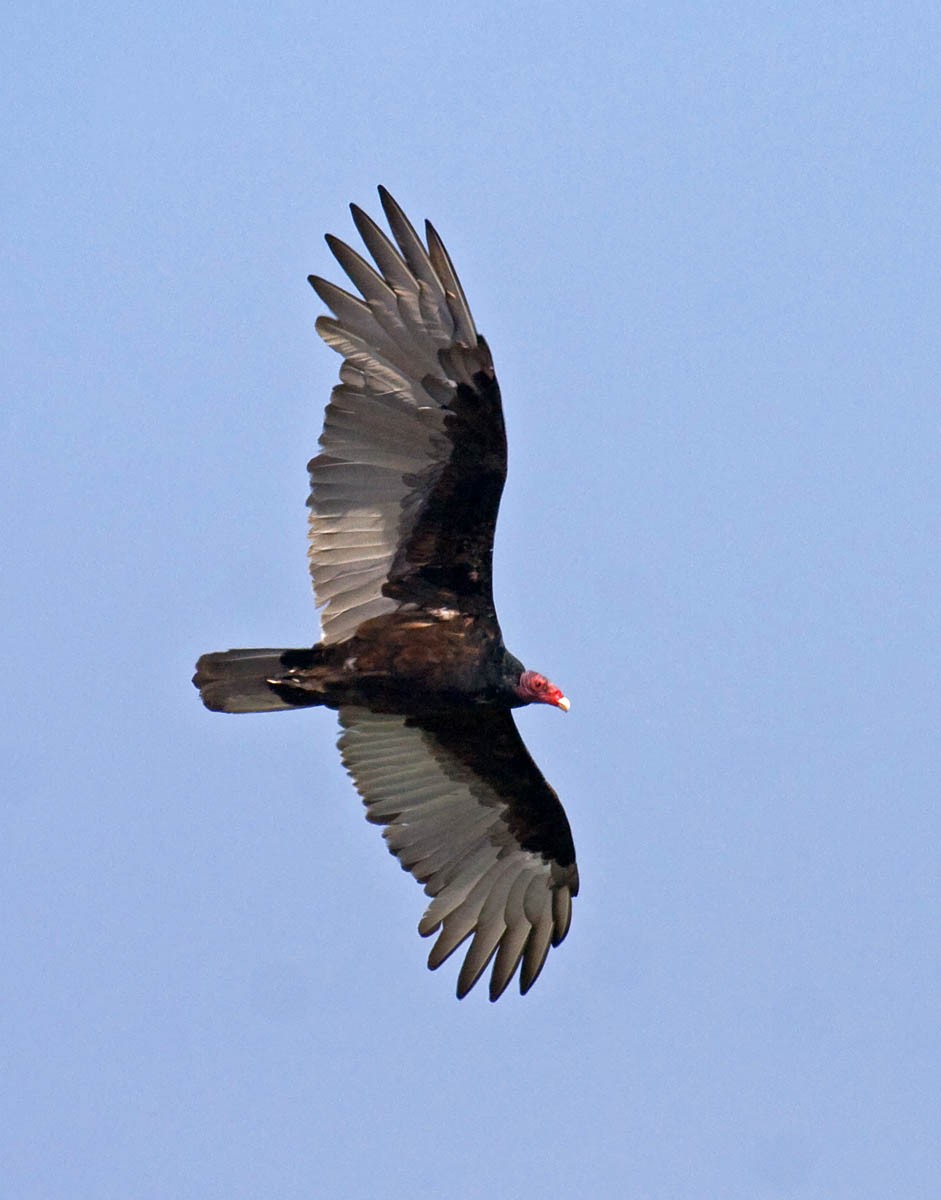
point(703, 242)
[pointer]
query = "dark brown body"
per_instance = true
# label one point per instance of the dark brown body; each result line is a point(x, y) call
point(407, 662)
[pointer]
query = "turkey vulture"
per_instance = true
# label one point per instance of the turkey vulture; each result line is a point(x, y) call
point(403, 505)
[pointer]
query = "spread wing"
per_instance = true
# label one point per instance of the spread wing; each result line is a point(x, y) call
point(468, 812)
point(405, 491)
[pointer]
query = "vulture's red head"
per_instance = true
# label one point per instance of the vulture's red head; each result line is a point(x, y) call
point(534, 688)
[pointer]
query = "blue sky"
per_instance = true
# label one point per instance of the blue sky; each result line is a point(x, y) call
point(702, 241)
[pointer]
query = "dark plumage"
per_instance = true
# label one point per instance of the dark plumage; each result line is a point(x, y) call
point(403, 506)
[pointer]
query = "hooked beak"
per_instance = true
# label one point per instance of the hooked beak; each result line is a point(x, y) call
point(564, 703)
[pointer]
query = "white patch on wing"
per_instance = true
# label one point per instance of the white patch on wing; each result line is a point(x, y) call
point(447, 826)
point(384, 444)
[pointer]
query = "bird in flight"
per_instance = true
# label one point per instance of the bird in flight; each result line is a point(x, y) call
point(403, 506)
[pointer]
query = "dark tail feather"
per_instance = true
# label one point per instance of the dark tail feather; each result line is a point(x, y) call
point(240, 681)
